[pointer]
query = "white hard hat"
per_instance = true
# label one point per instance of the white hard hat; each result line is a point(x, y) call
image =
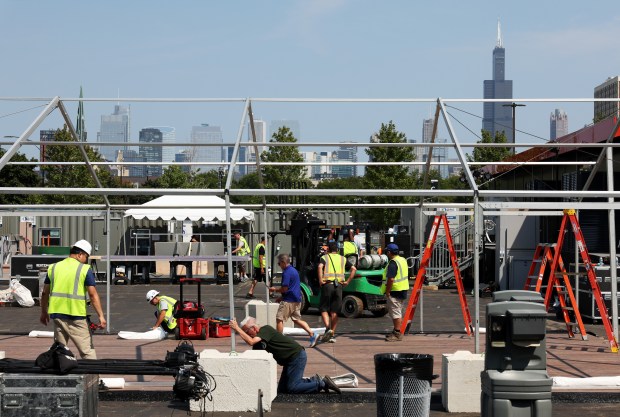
point(84, 245)
point(151, 294)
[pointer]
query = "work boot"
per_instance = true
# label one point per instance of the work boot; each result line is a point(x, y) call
point(329, 384)
point(327, 335)
point(394, 337)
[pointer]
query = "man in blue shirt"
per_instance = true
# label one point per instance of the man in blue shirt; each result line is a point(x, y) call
point(290, 302)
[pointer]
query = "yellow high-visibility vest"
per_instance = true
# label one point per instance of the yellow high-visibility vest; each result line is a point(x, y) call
point(349, 248)
point(256, 256)
point(401, 280)
point(67, 290)
point(334, 267)
point(245, 249)
point(168, 318)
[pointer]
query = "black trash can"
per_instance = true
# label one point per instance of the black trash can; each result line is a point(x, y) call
point(403, 384)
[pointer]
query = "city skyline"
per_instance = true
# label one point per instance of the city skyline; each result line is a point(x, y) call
point(375, 58)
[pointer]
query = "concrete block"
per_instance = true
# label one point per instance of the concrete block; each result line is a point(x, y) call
point(263, 313)
point(239, 376)
point(461, 386)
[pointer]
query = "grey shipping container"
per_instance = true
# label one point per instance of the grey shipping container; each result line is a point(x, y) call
point(37, 395)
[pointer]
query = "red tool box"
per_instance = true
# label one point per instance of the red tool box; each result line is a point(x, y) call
point(191, 323)
point(219, 327)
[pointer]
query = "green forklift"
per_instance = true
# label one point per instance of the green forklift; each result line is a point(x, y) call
point(309, 238)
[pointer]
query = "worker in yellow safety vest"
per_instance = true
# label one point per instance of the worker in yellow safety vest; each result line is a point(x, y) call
point(331, 270)
point(66, 289)
point(395, 286)
point(259, 264)
point(242, 249)
point(165, 310)
point(348, 246)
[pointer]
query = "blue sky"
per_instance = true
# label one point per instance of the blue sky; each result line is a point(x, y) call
point(311, 49)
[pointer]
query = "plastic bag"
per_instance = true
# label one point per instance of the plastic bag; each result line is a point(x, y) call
point(346, 380)
point(22, 294)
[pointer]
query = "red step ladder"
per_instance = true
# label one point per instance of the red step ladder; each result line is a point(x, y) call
point(419, 281)
point(558, 265)
point(559, 282)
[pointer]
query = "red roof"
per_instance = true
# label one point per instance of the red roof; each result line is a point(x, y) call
point(596, 133)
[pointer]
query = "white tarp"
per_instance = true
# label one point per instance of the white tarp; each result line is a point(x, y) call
point(183, 207)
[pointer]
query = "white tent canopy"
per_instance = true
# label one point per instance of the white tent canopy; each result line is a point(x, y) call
point(209, 208)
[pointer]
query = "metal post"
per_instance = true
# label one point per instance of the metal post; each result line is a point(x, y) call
point(477, 214)
point(612, 243)
point(107, 274)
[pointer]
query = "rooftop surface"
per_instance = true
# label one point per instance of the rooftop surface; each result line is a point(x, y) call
point(358, 340)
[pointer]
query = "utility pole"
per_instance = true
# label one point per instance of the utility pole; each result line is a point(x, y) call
point(514, 106)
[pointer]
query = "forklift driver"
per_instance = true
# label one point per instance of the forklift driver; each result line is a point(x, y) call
point(165, 309)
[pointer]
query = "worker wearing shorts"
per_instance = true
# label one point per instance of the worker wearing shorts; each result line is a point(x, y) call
point(332, 271)
point(290, 303)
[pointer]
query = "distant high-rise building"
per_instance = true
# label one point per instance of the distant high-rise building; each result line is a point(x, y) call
point(240, 170)
point(183, 156)
point(45, 136)
point(318, 172)
point(344, 154)
point(132, 171)
point(168, 138)
point(293, 126)
point(497, 117)
point(260, 129)
point(151, 153)
point(80, 126)
point(608, 89)
point(559, 124)
point(206, 134)
point(439, 153)
point(114, 128)
point(427, 137)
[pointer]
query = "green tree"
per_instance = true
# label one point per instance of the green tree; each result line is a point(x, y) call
point(274, 175)
point(249, 181)
point(174, 177)
point(73, 176)
point(280, 176)
point(388, 177)
point(18, 176)
point(485, 154)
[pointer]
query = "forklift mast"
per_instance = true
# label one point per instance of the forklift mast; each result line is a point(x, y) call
point(308, 235)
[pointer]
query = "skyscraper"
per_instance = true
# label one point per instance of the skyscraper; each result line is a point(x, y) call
point(497, 117)
point(344, 154)
point(439, 153)
point(608, 89)
point(206, 134)
point(168, 138)
point(260, 129)
point(80, 127)
point(151, 153)
point(559, 124)
point(114, 128)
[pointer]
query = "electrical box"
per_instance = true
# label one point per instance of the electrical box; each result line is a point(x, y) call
point(38, 395)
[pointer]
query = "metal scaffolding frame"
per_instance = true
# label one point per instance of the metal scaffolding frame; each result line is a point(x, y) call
point(485, 202)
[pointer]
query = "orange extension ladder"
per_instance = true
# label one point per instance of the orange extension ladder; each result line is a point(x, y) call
point(570, 216)
point(419, 281)
point(543, 256)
